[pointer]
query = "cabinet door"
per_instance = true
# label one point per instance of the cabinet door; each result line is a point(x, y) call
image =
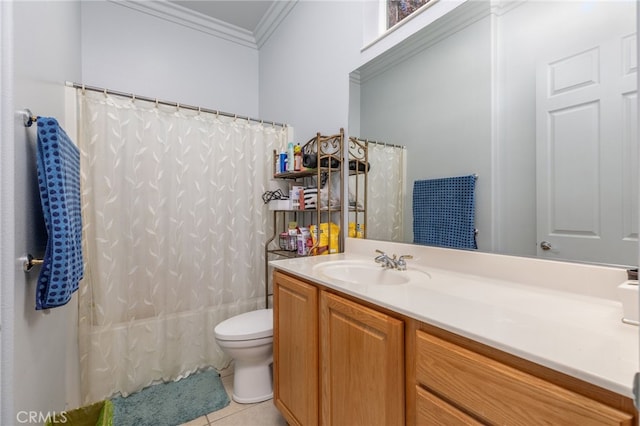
point(295, 350)
point(362, 360)
point(431, 410)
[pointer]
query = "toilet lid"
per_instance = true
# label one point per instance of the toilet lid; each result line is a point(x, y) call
point(250, 325)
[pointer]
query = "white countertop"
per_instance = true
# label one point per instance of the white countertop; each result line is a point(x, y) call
point(571, 327)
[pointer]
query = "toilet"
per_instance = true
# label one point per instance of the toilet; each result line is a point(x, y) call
point(248, 339)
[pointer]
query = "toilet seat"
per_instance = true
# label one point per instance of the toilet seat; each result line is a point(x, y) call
point(250, 325)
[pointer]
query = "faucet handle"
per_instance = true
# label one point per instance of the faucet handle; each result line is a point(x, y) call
point(380, 252)
point(402, 265)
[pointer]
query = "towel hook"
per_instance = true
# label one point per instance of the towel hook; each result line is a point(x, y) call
point(30, 262)
point(28, 117)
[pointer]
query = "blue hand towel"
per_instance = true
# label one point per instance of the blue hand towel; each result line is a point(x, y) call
point(59, 180)
point(444, 212)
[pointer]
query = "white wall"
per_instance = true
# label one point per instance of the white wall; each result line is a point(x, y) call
point(130, 51)
point(305, 65)
point(47, 52)
point(7, 234)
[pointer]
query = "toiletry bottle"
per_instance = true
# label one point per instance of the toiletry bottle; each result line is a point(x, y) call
point(290, 157)
point(297, 158)
point(283, 162)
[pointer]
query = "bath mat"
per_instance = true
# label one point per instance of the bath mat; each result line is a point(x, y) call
point(171, 404)
point(98, 414)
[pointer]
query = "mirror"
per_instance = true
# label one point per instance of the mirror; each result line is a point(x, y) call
point(538, 99)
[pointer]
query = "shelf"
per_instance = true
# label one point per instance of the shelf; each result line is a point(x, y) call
point(285, 253)
point(296, 175)
point(322, 210)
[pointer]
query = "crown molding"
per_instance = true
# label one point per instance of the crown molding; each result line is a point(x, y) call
point(270, 21)
point(180, 15)
point(454, 21)
point(354, 77)
point(197, 21)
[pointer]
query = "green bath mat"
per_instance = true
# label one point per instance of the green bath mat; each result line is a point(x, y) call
point(171, 404)
point(98, 414)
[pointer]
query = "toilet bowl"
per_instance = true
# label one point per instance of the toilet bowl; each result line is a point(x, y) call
point(248, 339)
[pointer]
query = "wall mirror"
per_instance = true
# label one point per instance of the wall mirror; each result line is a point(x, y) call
point(538, 99)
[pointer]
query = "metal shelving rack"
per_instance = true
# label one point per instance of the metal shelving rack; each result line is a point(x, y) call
point(329, 166)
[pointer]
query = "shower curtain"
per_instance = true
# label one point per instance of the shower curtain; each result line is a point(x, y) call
point(385, 201)
point(174, 233)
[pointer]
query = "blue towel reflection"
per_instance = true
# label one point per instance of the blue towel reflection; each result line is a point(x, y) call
point(59, 181)
point(444, 212)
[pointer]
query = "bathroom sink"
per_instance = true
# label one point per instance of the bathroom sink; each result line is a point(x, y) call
point(367, 272)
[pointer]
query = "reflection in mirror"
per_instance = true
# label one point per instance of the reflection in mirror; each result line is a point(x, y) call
point(538, 99)
point(385, 189)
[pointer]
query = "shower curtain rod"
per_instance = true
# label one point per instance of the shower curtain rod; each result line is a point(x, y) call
point(380, 143)
point(172, 104)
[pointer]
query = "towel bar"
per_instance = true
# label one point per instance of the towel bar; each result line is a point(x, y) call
point(30, 262)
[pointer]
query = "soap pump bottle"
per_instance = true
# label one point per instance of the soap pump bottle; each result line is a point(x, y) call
point(290, 158)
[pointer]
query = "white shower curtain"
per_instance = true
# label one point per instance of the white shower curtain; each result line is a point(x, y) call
point(174, 233)
point(385, 200)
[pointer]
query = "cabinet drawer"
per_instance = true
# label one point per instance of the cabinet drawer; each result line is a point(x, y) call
point(501, 394)
point(431, 410)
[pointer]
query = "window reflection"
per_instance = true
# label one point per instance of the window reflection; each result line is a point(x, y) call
point(397, 10)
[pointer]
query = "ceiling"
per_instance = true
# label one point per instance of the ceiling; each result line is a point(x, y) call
point(245, 14)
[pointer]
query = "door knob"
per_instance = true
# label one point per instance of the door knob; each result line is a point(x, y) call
point(545, 245)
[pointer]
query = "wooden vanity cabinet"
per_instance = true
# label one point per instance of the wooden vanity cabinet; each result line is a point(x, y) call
point(354, 376)
point(342, 361)
point(457, 383)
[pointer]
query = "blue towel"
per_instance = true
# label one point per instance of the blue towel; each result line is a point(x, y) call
point(59, 181)
point(444, 212)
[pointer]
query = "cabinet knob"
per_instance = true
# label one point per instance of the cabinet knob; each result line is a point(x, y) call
point(545, 245)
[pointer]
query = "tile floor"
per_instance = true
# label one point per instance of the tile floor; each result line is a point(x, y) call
point(234, 414)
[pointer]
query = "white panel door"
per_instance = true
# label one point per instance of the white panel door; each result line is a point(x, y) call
point(587, 184)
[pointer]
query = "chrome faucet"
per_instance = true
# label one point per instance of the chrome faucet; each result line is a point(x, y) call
point(386, 261)
point(391, 262)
